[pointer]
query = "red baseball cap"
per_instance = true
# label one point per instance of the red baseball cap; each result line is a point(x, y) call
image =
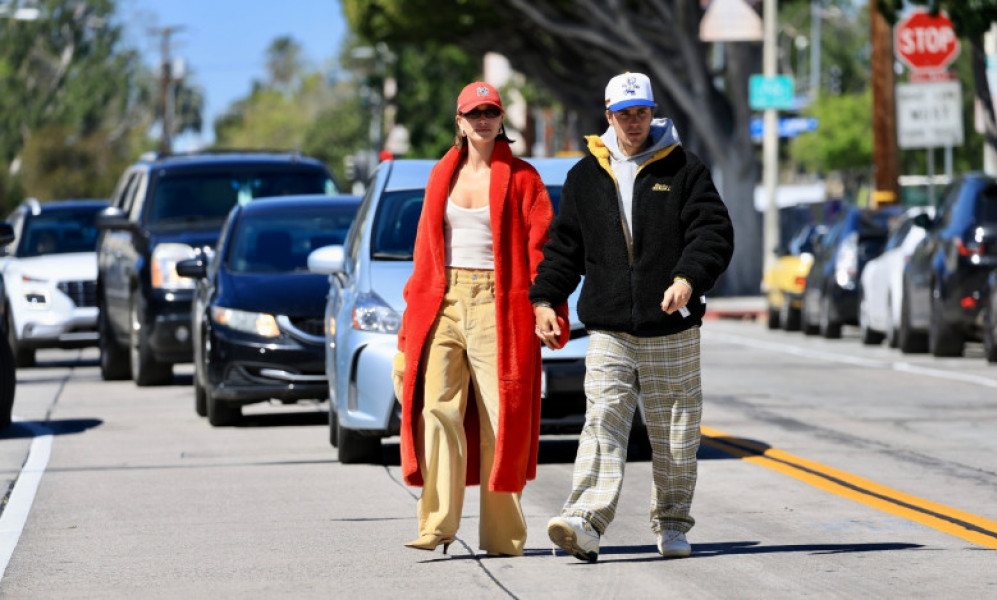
point(475, 94)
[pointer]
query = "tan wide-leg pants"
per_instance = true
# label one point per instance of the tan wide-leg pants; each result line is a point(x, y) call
point(461, 352)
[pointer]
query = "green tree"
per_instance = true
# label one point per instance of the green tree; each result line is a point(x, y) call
point(295, 108)
point(71, 87)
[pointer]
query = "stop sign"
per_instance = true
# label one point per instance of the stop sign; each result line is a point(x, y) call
point(926, 43)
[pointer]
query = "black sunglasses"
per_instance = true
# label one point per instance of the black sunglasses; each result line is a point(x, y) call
point(490, 113)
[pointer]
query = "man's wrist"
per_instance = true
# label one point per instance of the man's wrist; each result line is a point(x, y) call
point(683, 280)
point(542, 303)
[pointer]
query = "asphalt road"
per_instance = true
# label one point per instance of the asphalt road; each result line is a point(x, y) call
point(828, 470)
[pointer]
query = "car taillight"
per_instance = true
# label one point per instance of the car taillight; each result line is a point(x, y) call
point(968, 302)
point(972, 248)
point(801, 282)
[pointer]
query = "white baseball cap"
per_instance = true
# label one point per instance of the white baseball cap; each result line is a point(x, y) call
point(629, 89)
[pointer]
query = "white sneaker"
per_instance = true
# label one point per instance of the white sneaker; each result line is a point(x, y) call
point(672, 544)
point(576, 536)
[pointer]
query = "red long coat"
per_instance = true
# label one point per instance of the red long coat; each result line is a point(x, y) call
point(521, 212)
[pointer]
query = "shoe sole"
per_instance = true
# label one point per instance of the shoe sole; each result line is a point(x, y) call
point(676, 553)
point(564, 536)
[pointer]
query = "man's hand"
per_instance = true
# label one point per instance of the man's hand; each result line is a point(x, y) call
point(676, 297)
point(547, 328)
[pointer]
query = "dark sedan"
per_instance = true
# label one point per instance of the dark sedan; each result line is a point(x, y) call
point(945, 282)
point(831, 294)
point(257, 312)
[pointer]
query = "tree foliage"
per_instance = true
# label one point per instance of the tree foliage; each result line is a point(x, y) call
point(75, 103)
point(294, 108)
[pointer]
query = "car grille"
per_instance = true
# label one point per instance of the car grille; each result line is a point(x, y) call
point(82, 293)
point(310, 325)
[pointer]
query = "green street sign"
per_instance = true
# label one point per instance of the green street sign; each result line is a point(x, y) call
point(770, 92)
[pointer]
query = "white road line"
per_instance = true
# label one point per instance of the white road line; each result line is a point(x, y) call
point(15, 513)
point(904, 367)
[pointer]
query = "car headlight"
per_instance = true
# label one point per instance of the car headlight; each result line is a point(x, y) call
point(261, 324)
point(164, 266)
point(846, 268)
point(370, 313)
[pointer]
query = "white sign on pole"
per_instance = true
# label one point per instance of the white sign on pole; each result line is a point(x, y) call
point(929, 115)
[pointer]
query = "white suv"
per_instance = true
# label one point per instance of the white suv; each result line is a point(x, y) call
point(50, 274)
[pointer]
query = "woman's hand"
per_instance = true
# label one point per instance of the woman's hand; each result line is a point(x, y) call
point(547, 328)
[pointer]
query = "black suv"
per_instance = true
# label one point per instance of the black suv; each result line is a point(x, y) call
point(831, 294)
point(164, 210)
point(945, 282)
point(8, 376)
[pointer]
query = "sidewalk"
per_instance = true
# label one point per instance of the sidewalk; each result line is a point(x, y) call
point(750, 308)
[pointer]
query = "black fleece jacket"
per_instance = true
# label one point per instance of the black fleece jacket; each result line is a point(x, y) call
point(681, 228)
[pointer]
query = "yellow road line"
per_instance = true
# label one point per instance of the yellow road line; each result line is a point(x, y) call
point(969, 527)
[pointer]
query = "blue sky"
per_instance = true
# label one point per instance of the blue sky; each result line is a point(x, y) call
point(224, 42)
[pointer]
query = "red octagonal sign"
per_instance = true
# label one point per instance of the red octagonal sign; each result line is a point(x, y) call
point(926, 43)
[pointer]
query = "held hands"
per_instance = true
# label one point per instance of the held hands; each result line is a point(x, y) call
point(547, 328)
point(676, 297)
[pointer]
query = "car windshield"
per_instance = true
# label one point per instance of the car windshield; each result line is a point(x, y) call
point(182, 198)
point(265, 243)
point(398, 218)
point(60, 232)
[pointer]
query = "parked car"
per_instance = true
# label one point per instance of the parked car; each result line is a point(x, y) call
point(257, 312)
point(784, 283)
point(164, 210)
point(881, 292)
point(8, 374)
point(364, 311)
point(945, 283)
point(50, 272)
point(831, 297)
point(990, 319)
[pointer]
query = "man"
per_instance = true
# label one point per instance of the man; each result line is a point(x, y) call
point(641, 219)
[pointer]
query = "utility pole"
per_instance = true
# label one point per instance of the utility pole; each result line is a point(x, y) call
point(166, 87)
point(885, 156)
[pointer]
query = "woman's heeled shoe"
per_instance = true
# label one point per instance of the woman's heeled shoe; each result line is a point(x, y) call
point(430, 541)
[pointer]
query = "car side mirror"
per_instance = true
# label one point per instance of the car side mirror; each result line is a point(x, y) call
point(113, 217)
point(6, 233)
point(327, 260)
point(195, 268)
point(922, 220)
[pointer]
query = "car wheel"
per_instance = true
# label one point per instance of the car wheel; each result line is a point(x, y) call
point(942, 339)
point(908, 340)
point(333, 428)
point(355, 448)
point(773, 318)
point(200, 374)
point(114, 361)
point(989, 336)
point(806, 323)
point(868, 335)
point(789, 317)
point(221, 413)
point(892, 333)
point(23, 357)
point(8, 383)
point(829, 328)
point(146, 370)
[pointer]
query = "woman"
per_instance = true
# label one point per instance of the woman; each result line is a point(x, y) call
point(470, 390)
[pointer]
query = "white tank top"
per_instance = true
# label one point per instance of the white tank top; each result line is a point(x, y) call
point(468, 236)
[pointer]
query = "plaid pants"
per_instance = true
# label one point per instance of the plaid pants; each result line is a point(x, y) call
point(664, 372)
